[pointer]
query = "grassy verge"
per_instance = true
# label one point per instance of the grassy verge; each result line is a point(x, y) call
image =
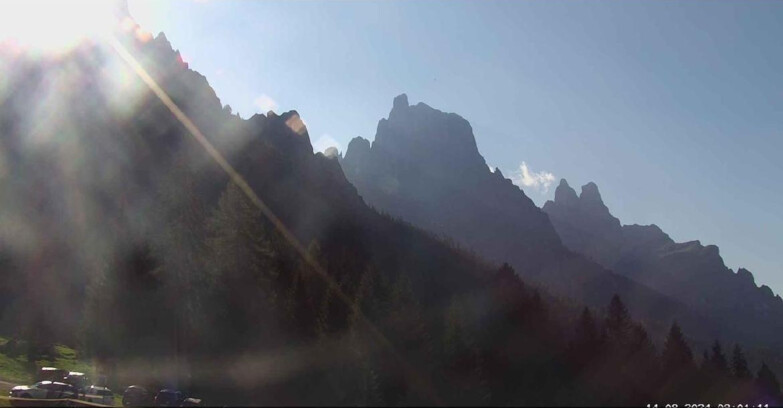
point(17, 369)
point(13, 369)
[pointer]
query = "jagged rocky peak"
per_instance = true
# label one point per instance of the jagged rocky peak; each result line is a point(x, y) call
point(565, 195)
point(589, 205)
point(295, 123)
point(358, 146)
point(590, 193)
point(746, 276)
point(162, 41)
point(421, 134)
point(400, 102)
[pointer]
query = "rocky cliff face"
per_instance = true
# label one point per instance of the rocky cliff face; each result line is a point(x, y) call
point(690, 272)
point(425, 168)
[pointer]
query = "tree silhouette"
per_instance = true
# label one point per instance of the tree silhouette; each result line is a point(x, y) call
point(718, 361)
point(618, 323)
point(739, 365)
point(677, 355)
point(586, 342)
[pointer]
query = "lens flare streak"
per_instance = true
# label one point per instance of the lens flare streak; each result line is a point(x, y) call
point(237, 179)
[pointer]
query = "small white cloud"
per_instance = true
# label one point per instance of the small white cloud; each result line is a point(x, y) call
point(540, 181)
point(265, 103)
point(324, 142)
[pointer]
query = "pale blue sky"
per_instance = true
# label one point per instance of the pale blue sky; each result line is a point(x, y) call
point(675, 109)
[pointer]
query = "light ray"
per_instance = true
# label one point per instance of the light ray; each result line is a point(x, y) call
point(237, 179)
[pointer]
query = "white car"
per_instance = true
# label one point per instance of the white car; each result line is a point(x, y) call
point(45, 390)
point(98, 395)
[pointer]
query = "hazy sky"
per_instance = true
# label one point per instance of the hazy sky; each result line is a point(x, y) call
point(675, 109)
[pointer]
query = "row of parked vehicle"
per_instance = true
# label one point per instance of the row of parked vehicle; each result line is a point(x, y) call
point(55, 383)
point(61, 390)
point(137, 396)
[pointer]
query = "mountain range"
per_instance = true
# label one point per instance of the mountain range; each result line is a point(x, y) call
point(180, 245)
point(424, 167)
point(690, 272)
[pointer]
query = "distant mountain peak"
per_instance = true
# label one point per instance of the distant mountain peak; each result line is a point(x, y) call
point(400, 101)
point(590, 193)
point(423, 136)
point(359, 145)
point(564, 194)
point(424, 166)
point(746, 276)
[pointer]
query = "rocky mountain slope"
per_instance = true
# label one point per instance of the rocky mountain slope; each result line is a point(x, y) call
point(690, 272)
point(424, 167)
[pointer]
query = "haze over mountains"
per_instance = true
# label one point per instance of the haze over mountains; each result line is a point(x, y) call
point(424, 167)
point(690, 272)
point(244, 268)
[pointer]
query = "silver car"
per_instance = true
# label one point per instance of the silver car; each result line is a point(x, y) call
point(45, 390)
point(99, 395)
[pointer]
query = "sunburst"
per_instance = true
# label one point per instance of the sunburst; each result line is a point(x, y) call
point(55, 25)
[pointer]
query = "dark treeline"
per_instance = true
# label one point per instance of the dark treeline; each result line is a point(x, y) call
point(251, 322)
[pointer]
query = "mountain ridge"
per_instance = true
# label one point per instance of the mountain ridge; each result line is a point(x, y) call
point(403, 172)
point(690, 271)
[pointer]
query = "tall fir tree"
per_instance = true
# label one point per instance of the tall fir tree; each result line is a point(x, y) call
point(586, 343)
point(739, 365)
point(677, 354)
point(718, 362)
point(618, 323)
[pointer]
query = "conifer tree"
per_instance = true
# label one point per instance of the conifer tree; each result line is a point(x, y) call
point(718, 361)
point(739, 365)
point(242, 260)
point(586, 343)
point(618, 323)
point(677, 355)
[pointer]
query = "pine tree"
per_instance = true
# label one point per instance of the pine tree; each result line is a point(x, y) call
point(642, 363)
point(718, 361)
point(586, 343)
point(739, 365)
point(618, 323)
point(242, 259)
point(677, 355)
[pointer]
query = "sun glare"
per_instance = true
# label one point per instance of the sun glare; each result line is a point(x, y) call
point(54, 25)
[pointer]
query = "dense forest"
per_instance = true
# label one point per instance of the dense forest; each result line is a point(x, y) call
point(234, 298)
point(278, 284)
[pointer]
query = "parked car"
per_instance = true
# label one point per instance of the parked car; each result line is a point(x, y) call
point(45, 390)
point(136, 396)
point(169, 398)
point(99, 395)
point(51, 374)
point(77, 379)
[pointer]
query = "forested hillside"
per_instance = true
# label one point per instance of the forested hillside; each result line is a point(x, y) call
point(126, 235)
